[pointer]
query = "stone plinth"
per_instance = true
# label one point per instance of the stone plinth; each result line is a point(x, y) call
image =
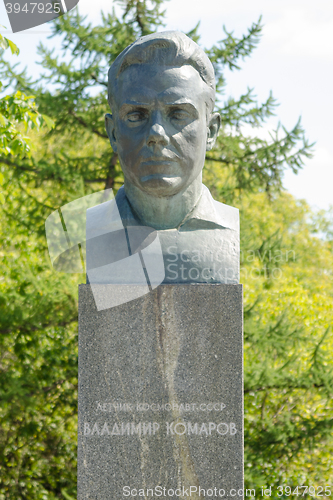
point(161, 393)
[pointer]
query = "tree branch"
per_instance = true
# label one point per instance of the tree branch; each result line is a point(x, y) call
point(94, 130)
point(4, 331)
point(277, 387)
point(94, 77)
point(109, 183)
point(19, 167)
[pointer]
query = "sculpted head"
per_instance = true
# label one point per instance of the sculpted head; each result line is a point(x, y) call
point(162, 94)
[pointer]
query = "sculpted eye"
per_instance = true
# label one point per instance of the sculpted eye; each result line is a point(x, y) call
point(179, 114)
point(135, 116)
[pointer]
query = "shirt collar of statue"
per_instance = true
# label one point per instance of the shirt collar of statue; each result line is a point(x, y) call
point(204, 214)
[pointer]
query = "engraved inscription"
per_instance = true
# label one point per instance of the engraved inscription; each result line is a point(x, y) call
point(151, 428)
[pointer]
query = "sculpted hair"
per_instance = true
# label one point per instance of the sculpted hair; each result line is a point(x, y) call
point(169, 48)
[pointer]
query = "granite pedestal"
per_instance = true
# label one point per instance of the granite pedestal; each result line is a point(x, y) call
point(161, 394)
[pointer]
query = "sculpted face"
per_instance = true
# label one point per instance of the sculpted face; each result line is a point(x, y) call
point(160, 128)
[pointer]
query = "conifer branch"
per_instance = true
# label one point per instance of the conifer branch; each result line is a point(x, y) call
point(86, 125)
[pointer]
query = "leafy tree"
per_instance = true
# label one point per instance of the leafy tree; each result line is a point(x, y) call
point(288, 375)
point(15, 110)
point(287, 276)
point(78, 102)
point(34, 316)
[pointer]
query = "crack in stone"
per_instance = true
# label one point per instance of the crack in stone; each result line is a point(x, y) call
point(168, 349)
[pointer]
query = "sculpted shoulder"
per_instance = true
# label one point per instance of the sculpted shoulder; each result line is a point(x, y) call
point(229, 215)
point(103, 219)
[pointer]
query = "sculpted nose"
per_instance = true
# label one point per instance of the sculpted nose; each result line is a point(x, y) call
point(157, 135)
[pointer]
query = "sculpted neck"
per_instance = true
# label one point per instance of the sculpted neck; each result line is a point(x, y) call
point(164, 212)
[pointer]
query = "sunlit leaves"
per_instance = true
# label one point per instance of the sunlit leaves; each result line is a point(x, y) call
point(5, 43)
point(286, 260)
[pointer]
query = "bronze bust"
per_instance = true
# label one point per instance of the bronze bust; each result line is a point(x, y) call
point(162, 95)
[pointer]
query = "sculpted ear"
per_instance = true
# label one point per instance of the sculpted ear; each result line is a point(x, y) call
point(213, 130)
point(110, 130)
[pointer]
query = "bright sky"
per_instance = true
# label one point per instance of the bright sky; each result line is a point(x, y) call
point(294, 59)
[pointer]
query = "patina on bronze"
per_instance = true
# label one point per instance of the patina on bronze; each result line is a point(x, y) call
point(162, 95)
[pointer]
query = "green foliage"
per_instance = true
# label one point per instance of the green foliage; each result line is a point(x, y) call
point(5, 43)
point(287, 276)
point(230, 49)
point(16, 110)
point(286, 261)
point(79, 101)
point(38, 339)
